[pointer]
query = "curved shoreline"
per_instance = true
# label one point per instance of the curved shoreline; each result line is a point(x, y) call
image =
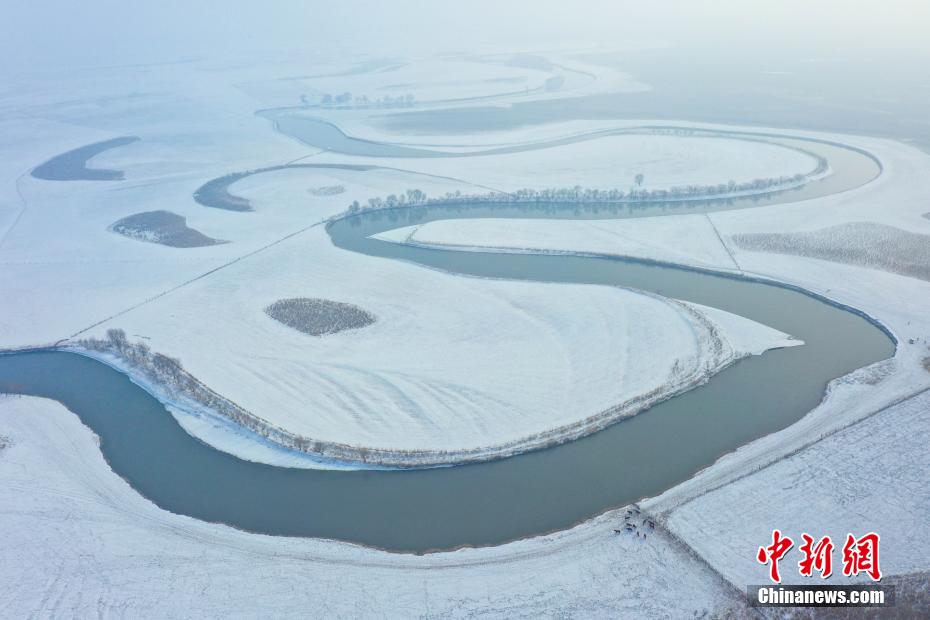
point(743, 276)
point(322, 452)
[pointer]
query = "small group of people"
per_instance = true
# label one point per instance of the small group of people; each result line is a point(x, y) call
point(630, 527)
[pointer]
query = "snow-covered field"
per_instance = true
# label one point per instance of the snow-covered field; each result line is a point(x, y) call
point(427, 80)
point(612, 162)
point(681, 239)
point(380, 85)
point(508, 361)
point(858, 480)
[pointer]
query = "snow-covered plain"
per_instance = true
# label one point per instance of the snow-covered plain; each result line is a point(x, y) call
point(374, 86)
point(428, 80)
point(681, 239)
point(612, 162)
point(508, 361)
point(857, 480)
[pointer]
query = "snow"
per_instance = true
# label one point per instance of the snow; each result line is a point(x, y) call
point(855, 481)
point(860, 243)
point(423, 375)
point(840, 475)
point(742, 333)
point(79, 542)
point(433, 81)
point(429, 80)
point(540, 365)
point(684, 239)
point(896, 198)
point(613, 161)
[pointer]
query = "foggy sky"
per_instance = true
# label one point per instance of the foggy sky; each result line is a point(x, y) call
point(42, 34)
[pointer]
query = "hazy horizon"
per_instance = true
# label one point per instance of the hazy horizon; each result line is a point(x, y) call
point(50, 34)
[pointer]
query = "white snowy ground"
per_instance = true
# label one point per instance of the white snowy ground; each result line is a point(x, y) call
point(679, 239)
point(79, 542)
point(871, 477)
point(612, 162)
point(429, 80)
point(505, 361)
point(109, 547)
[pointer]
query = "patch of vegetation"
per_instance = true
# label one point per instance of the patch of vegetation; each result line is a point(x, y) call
point(327, 190)
point(319, 317)
point(858, 243)
point(162, 227)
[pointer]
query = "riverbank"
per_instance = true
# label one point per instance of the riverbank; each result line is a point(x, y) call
point(84, 519)
point(717, 340)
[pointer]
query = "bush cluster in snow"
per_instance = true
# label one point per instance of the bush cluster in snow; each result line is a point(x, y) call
point(327, 190)
point(162, 227)
point(319, 317)
point(858, 243)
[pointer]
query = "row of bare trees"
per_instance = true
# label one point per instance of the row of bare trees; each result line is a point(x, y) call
point(168, 373)
point(579, 194)
point(346, 100)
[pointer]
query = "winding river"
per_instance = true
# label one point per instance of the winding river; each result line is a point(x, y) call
point(492, 502)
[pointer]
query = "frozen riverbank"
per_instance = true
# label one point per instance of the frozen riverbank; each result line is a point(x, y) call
point(80, 540)
point(695, 343)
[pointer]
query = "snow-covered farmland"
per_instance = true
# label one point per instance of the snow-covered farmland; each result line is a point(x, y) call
point(857, 480)
point(344, 90)
point(507, 362)
point(685, 239)
point(614, 161)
